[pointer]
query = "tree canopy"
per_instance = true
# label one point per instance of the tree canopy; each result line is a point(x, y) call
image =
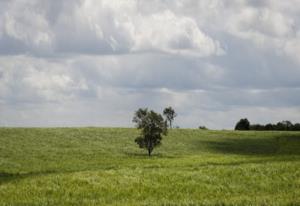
point(285, 125)
point(170, 114)
point(152, 126)
point(243, 124)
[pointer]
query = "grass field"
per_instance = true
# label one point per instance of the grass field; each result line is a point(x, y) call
point(103, 166)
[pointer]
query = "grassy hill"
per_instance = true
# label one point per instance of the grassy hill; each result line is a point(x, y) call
point(103, 166)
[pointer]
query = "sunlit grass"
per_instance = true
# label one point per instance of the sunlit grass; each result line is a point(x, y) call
point(103, 166)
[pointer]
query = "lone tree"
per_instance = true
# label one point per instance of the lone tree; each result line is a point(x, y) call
point(170, 114)
point(243, 124)
point(152, 126)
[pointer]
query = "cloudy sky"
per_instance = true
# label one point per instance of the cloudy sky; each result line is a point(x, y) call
point(94, 62)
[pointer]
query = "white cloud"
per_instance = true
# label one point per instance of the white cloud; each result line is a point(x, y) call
point(254, 22)
point(24, 23)
point(271, 25)
point(29, 79)
point(90, 62)
point(178, 35)
point(105, 27)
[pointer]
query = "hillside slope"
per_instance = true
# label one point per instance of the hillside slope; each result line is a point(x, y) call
point(103, 166)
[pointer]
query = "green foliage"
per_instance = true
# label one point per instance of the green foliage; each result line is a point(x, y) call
point(152, 126)
point(243, 124)
point(170, 115)
point(102, 166)
point(202, 127)
point(280, 126)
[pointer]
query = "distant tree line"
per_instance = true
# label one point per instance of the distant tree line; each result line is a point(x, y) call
point(203, 127)
point(285, 125)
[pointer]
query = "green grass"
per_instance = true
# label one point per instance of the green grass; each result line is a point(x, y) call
point(103, 166)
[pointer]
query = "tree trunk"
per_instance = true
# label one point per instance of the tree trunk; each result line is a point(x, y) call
point(149, 147)
point(170, 124)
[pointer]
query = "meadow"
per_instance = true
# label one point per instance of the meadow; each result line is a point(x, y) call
point(103, 166)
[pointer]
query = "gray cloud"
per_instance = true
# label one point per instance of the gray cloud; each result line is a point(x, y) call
point(94, 62)
point(101, 27)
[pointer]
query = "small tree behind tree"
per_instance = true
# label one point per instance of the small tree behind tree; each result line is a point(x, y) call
point(152, 126)
point(170, 114)
point(243, 124)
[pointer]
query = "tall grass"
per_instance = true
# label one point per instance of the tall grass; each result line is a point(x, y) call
point(103, 166)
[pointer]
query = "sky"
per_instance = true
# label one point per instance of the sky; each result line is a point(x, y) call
point(94, 62)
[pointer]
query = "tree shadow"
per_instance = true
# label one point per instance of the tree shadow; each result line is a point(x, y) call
point(8, 177)
point(261, 161)
point(283, 144)
point(144, 155)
